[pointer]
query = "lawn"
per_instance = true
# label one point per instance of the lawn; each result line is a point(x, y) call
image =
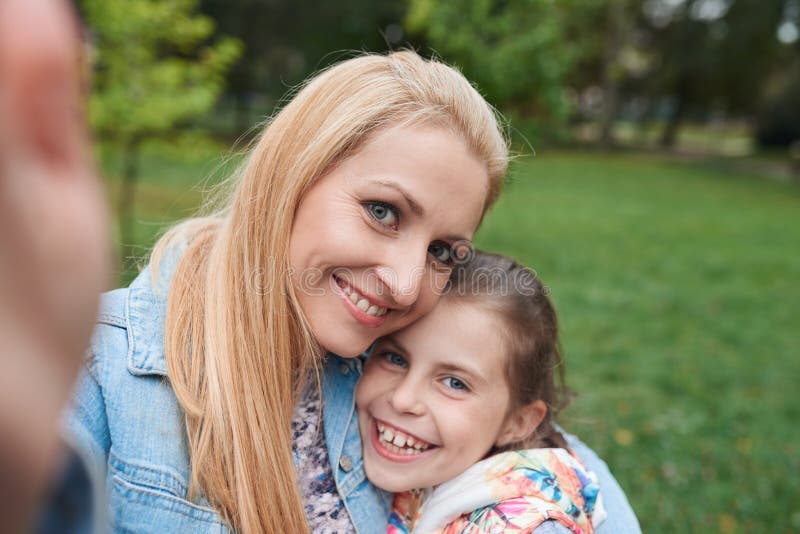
point(677, 290)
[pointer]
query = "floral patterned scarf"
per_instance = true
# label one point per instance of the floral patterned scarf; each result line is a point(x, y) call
point(508, 492)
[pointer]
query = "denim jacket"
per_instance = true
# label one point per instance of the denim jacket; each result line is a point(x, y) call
point(127, 431)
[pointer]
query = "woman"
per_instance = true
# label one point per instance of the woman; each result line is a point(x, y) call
point(194, 374)
point(347, 191)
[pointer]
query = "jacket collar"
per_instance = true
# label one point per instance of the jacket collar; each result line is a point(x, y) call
point(146, 312)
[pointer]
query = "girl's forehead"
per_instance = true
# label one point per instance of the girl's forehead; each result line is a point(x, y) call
point(455, 331)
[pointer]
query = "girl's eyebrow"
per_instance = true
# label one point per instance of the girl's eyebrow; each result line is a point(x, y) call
point(392, 341)
point(448, 366)
point(459, 367)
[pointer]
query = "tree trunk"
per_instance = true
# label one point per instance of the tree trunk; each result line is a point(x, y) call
point(614, 39)
point(241, 114)
point(670, 133)
point(127, 197)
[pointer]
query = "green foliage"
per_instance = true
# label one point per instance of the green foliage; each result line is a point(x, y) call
point(515, 51)
point(155, 68)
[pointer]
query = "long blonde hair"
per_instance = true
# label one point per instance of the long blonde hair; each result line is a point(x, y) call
point(237, 345)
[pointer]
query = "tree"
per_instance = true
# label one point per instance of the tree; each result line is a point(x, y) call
point(711, 54)
point(154, 71)
point(516, 51)
point(286, 40)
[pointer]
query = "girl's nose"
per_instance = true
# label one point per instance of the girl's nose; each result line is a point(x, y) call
point(406, 397)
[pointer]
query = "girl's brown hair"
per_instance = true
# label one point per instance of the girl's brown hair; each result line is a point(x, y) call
point(516, 297)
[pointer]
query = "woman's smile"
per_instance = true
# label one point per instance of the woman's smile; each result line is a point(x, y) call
point(364, 308)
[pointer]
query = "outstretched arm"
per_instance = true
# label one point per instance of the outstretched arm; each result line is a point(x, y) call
point(53, 247)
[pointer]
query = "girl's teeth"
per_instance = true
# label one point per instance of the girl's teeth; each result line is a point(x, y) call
point(398, 442)
point(354, 297)
point(363, 305)
point(373, 310)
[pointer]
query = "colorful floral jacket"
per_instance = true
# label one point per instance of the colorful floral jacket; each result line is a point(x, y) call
point(509, 492)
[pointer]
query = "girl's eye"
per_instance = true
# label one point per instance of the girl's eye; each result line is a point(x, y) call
point(456, 384)
point(383, 213)
point(392, 358)
point(441, 252)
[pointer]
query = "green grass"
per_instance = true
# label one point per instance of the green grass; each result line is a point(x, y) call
point(677, 290)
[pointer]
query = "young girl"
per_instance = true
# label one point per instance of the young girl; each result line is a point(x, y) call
point(455, 412)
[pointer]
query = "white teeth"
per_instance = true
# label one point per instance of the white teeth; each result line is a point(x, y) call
point(363, 304)
point(398, 442)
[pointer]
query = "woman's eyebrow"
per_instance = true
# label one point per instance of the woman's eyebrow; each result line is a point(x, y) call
point(415, 206)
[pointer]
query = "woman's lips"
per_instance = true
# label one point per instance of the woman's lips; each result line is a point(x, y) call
point(370, 315)
point(392, 454)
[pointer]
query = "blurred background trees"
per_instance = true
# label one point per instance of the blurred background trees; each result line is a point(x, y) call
point(599, 71)
point(156, 69)
point(569, 70)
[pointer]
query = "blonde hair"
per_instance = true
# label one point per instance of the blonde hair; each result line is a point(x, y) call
point(238, 355)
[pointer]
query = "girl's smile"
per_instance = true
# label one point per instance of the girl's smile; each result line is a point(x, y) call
point(396, 445)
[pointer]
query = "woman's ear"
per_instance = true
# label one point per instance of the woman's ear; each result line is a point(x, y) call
point(521, 423)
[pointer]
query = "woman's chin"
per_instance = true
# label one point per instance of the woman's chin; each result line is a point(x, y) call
point(347, 348)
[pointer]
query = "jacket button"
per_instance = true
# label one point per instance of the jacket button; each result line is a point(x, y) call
point(346, 463)
point(344, 368)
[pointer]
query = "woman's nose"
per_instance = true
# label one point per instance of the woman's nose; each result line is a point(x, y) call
point(403, 274)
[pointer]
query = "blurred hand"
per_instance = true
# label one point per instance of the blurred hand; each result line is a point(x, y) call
point(53, 246)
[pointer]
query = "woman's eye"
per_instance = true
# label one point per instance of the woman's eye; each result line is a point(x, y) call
point(456, 384)
point(393, 358)
point(384, 214)
point(441, 252)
